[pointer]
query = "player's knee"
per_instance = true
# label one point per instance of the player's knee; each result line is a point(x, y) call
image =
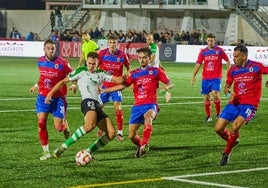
point(42, 124)
point(111, 134)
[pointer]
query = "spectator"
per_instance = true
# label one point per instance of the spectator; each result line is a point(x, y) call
point(121, 36)
point(30, 36)
point(12, 33)
point(58, 16)
point(52, 20)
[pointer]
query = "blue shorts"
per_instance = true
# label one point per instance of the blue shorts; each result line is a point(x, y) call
point(57, 106)
point(116, 96)
point(137, 112)
point(231, 111)
point(210, 85)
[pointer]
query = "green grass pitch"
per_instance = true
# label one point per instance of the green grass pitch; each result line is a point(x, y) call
point(185, 152)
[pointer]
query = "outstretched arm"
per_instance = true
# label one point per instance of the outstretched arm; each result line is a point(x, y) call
point(112, 89)
point(56, 88)
point(118, 80)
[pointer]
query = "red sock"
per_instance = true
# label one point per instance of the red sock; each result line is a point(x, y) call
point(225, 134)
point(42, 131)
point(230, 142)
point(137, 140)
point(217, 106)
point(147, 132)
point(207, 108)
point(119, 119)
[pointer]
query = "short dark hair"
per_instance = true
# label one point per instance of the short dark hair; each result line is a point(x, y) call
point(49, 41)
point(93, 55)
point(112, 37)
point(241, 48)
point(211, 35)
point(145, 50)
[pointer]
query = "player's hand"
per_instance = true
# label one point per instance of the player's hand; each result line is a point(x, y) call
point(73, 88)
point(192, 81)
point(47, 99)
point(32, 90)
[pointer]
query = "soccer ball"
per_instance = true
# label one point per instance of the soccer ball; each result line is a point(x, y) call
point(82, 158)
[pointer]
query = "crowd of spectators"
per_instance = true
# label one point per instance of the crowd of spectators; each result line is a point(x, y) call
point(196, 37)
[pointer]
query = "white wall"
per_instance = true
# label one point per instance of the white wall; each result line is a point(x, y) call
point(27, 20)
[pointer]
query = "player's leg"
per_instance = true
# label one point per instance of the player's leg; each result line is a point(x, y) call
point(42, 111)
point(59, 106)
point(228, 114)
point(135, 119)
point(43, 135)
point(216, 88)
point(119, 120)
point(107, 127)
point(105, 97)
point(205, 90)
point(117, 100)
point(207, 106)
point(90, 123)
point(217, 102)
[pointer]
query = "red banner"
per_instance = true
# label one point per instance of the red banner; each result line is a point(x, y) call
point(70, 49)
point(73, 49)
point(131, 49)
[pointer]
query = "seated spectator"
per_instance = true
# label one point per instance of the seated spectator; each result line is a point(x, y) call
point(121, 36)
point(129, 37)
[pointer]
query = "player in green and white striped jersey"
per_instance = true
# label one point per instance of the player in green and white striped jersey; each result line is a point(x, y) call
point(89, 80)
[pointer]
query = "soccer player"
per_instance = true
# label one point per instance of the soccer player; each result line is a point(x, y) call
point(112, 60)
point(246, 78)
point(212, 57)
point(145, 82)
point(88, 80)
point(87, 46)
point(52, 68)
point(155, 61)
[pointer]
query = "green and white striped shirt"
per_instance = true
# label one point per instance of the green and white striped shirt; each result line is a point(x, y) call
point(89, 83)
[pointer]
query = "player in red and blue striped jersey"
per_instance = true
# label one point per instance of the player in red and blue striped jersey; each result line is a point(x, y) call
point(145, 82)
point(212, 57)
point(246, 78)
point(112, 60)
point(52, 69)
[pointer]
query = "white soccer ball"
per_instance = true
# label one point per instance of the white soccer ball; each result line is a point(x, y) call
point(83, 158)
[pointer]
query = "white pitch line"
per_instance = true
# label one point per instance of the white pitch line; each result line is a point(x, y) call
point(207, 183)
point(75, 108)
point(217, 173)
point(182, 177)
point(125, 97)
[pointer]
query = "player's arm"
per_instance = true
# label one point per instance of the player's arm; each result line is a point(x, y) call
point(81, 59)
point(228, 65)
point(56, 88)
point(196, 69)
point(73, 87)
point(118, 80)
point(112, 89)
point(166, 87)
point(32, 89)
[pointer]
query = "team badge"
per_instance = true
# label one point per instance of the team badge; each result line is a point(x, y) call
point(251, 69)
point(118, 59)
point(56, 66)
point(150, 72)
